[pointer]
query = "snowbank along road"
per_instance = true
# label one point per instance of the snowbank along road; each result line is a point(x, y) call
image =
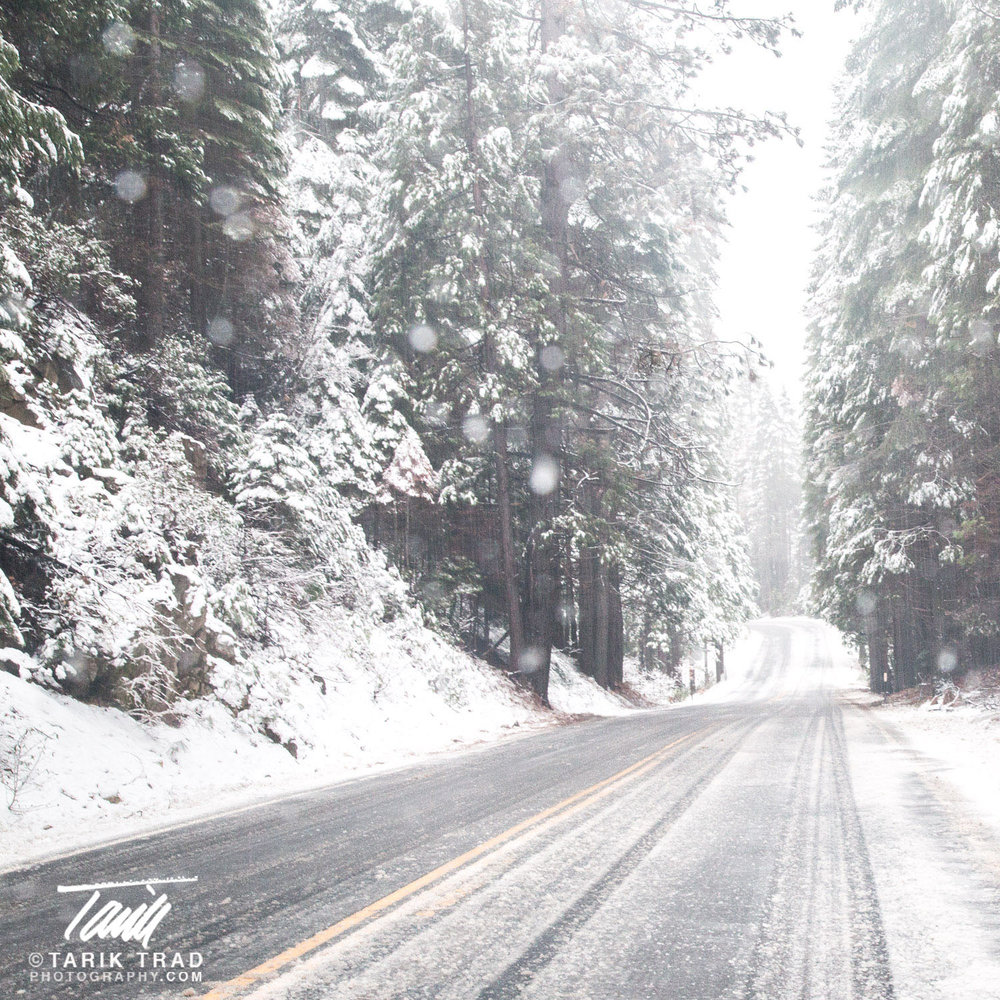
point(775, 839)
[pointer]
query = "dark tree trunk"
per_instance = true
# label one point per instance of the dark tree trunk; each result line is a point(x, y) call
point(616, 629)
point(199, 309)
point(878, 658)
point(542, 569)
point(540, 624)
point(647, 627)
point(587, 610)
point(505, 505)
point(602, 627)
point(154, 283)
point(543, 575)
point(676, 652)
point(566, 634)
point(902, 645)
point(507, 550)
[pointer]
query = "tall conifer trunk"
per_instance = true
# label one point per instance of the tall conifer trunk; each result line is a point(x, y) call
point(153, 284)
point(502, 459)
point(543, 570)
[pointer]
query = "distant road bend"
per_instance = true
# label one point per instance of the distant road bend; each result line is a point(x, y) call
point(781, 842)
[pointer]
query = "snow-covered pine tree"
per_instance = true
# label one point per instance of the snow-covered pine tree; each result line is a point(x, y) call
point(459, 284)
point(347, 400)
point(637, 242)
point(335, 430)
point(333, 73)
point(225, 87)
point(875, 532)
point(765, 449)
point(959, 389)
point(177, 108)
point(34, 137)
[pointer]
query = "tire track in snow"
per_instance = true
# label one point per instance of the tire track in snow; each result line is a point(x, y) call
point(545, 947)
point(822, 935)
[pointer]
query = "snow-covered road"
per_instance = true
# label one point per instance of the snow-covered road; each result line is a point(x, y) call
point(776, 839)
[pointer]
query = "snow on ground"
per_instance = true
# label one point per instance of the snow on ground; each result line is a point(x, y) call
point(925, 799)
point(371, 700)
point(90, 774)
point(576, 694)
point(750, 672)
point(783, 656)
point(927, 790)
point(744, 665)
point(962, 742)
point(655, 687)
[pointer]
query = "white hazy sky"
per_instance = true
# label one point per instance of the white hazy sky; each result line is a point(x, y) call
point(764, 268)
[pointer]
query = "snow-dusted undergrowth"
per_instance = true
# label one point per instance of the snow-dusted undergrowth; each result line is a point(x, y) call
point(259, 642)
point(367, 699)
point(958, 728)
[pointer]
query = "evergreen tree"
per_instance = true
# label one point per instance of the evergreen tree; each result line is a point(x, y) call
point(458, 281)
point(886, 482)
point(638, 236)
point(545, 212)
point(334, 74)
point(958, 384)
point(766, 445)
point(34, 138)
point(176, 105)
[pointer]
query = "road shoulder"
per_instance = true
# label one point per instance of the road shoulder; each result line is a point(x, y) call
point(935, 857)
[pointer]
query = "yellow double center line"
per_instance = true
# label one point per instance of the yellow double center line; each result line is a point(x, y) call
point(580, 800)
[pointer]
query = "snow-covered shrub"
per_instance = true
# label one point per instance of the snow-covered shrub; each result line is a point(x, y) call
point(237, 605)
point(23, 515)
point(335, 432)
point(277, 486)
point(21, 749)
point(15, 285)
point(384, 405)
point(71, 263)
point(88, 438)
point(175, 390)
point(126, 617)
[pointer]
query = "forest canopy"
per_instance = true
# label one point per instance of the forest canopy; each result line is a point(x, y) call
point(389, 310)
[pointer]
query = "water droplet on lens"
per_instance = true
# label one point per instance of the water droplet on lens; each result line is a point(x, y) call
point(220, 331)
point(865, 602)
point(130, 186)
point(544, 475)
point(224, 200)
point(947, 659)
point(552, 358)
point(530, 660)
point(189, 81)
point(118, 39)
point(422, 338)
point(475, 428)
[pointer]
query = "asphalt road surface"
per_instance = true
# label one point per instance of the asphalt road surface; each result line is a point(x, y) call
point(713, 850)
